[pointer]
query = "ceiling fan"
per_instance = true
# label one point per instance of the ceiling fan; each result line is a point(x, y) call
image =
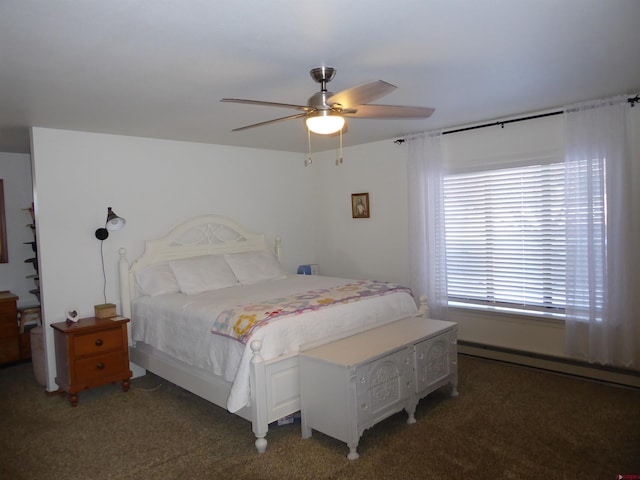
point(325, 111)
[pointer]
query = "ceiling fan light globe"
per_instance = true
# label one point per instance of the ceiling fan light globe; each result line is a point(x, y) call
point(323, 123)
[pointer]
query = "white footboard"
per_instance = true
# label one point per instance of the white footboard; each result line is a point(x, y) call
point(275, 392)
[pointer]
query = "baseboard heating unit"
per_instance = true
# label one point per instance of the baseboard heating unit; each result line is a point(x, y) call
point(618, 376)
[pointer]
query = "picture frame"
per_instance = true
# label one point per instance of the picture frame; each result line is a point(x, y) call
point(4, 256)
point(360, 207)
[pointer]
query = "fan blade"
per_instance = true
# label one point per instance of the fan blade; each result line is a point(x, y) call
point(275, 120)
point(268, 104)
point(390, 111)
point(365, 93)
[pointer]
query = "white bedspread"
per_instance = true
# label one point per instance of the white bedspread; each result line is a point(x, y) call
point(180, 325)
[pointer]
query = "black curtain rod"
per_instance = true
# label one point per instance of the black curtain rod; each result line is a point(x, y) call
point(502, 123)
point(631, 100)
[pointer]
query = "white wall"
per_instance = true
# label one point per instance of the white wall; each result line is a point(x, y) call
point(15, 170)
point(153, 184)
point(375, 247)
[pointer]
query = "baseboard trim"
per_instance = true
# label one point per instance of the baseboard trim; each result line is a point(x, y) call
point(617, 376)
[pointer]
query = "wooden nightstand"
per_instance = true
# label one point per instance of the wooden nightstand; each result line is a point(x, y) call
point(91, 352)
point(9, 335)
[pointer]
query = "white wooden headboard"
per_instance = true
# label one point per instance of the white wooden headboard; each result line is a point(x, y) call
point(202, 235)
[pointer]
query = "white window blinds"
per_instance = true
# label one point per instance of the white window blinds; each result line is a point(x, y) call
point(505, 238)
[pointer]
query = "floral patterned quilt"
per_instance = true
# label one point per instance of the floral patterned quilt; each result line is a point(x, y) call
point(241, 321)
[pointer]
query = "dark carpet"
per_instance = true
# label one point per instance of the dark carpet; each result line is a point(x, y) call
point(509, 422)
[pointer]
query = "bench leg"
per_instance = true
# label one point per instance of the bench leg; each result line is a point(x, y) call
point(353, 452)
point(411, 411)
point(454, 387)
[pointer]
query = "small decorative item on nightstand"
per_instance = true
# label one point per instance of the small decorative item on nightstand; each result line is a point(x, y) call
point(105, 310)
point(91, 352)
point(311, 269)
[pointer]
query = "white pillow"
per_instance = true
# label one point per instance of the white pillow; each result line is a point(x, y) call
point(203, 273)
point(156, 280)
point(254, 267)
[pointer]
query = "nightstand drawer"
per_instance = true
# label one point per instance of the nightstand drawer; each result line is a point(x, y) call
point(7, 309)
point(9, 350)
point(8, 329)
point(9, 317)
point(97, 342)
point(94, 368)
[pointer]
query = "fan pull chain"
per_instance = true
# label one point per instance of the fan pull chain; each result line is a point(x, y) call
point(339, 159)
point(308, 161)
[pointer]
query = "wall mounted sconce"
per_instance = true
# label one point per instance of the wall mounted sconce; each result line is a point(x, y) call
point(113, 223)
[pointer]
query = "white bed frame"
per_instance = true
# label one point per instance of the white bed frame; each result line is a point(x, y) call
point(275, 391)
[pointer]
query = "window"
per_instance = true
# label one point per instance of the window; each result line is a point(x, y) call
point(505, 238)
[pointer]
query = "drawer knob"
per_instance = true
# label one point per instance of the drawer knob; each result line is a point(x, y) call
point(99, 342)
point(100, 366)
point(364, 406)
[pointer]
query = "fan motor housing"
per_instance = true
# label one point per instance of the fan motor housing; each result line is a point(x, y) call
point(319, 100)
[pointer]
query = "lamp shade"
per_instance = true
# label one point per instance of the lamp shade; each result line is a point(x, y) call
point(114, 222)
point(324, 122)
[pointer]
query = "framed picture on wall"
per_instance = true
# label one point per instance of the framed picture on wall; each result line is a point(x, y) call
point(360, 205)
point(4, 256)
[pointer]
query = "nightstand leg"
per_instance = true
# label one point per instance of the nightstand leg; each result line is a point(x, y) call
point(126, 383)
point(73, 399)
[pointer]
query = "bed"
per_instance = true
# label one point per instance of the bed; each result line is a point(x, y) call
point(234, 339)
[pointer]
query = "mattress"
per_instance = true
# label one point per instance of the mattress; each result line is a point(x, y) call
point(180, 325)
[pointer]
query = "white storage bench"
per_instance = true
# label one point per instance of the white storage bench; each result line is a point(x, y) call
point(351, 384)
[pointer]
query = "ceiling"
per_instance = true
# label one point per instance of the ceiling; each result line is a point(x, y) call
point(158, 69)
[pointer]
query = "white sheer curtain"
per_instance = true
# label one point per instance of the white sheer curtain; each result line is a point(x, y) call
point(427, 249)
point(602, 285)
